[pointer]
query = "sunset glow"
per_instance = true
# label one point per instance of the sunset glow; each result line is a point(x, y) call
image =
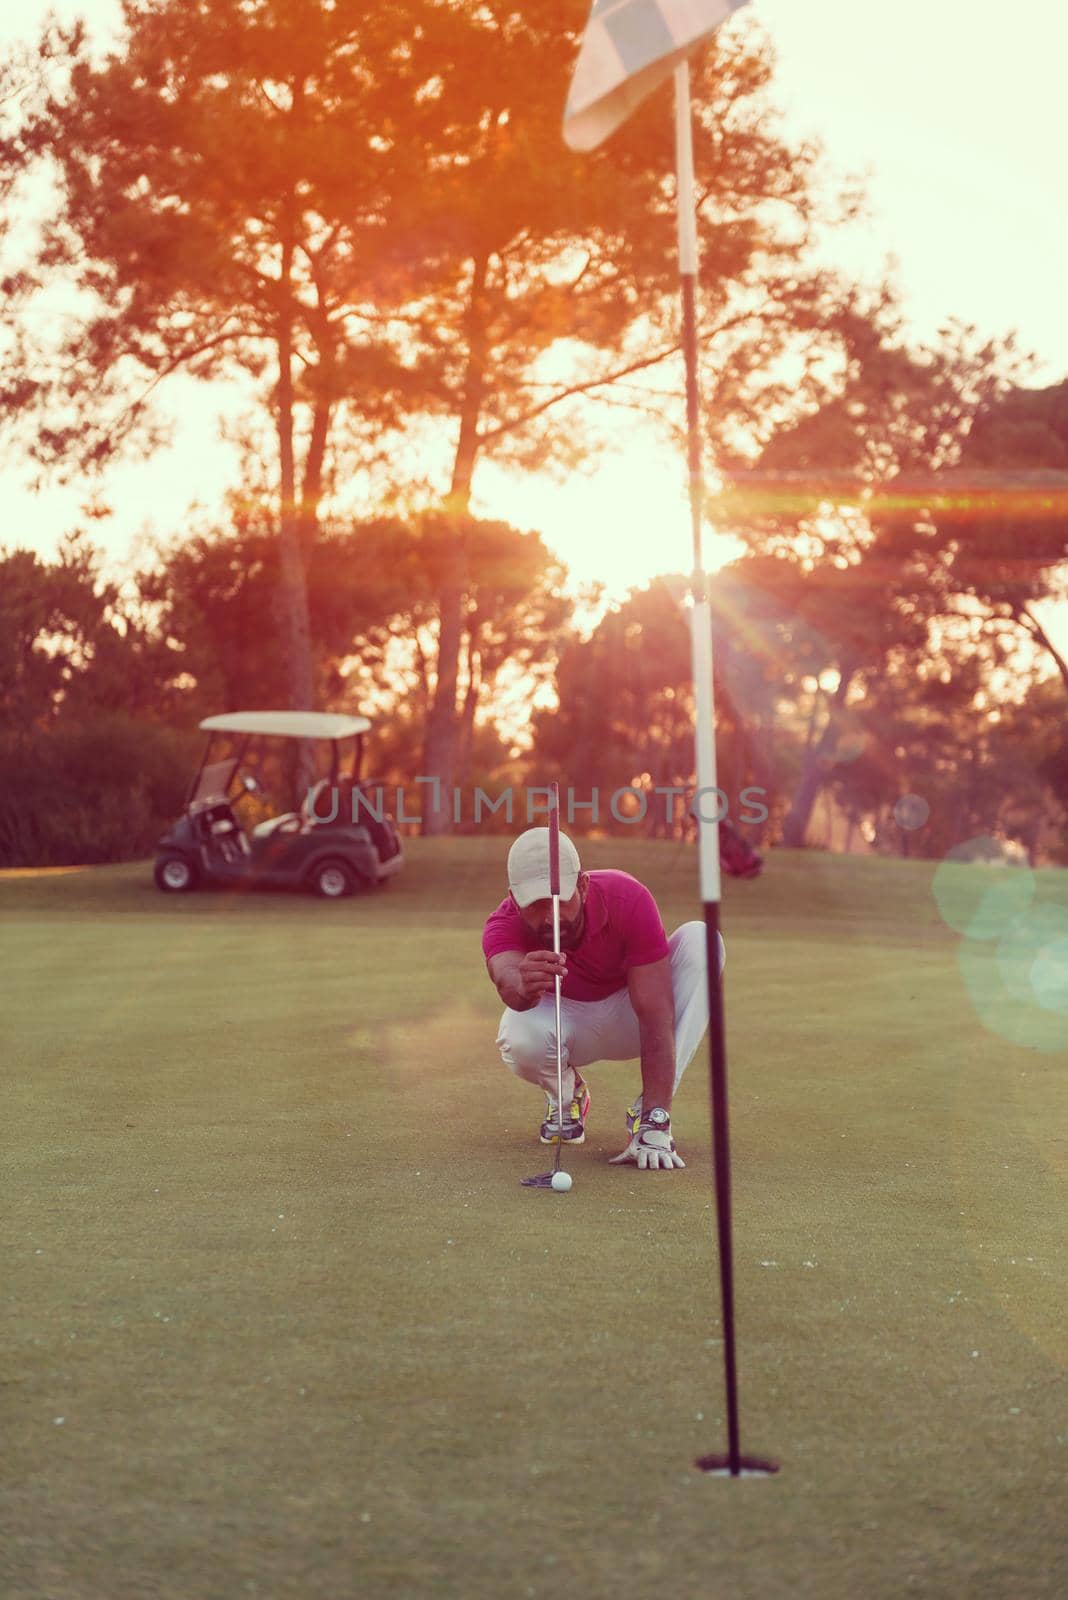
point(969, 203)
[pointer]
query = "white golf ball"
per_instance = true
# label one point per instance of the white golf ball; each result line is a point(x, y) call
point(561, 1181)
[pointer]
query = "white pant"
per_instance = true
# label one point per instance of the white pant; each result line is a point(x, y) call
point(607, 1030)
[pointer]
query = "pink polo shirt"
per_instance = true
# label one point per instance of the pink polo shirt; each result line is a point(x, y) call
point(623, 930)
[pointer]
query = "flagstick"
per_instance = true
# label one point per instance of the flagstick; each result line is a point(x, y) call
point(707, 823)
point(554, 890)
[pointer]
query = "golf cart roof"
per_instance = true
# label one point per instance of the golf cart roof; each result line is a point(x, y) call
point(288, 724)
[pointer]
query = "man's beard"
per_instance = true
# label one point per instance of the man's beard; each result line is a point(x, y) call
point(570, 933)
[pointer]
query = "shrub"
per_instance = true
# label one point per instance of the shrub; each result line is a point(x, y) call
point(92, 792)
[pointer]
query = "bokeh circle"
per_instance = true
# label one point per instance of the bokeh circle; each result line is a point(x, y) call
point(977, 894)
point(911, 811)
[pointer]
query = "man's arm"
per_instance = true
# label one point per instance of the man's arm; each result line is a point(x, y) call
point(521, 979)
point(653, 1000)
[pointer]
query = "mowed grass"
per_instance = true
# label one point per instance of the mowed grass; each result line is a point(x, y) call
point(282, 1322)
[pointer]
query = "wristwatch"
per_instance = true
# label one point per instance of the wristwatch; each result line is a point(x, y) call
point(657, 1118)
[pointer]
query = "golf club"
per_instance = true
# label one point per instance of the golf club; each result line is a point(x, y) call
point(544, 1180)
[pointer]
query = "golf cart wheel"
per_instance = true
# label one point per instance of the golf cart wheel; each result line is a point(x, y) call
point(332, 880)
point(175, 874)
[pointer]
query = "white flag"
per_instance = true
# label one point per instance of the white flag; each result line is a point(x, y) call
point(628, 49)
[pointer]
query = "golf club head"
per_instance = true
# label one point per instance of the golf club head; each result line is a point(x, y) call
point(747, 1466)
point(544, 1180)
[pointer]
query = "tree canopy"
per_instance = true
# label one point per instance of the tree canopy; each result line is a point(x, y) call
point(367, 215)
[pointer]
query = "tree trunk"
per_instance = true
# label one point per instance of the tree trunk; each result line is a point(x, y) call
point(443, 722)
point(442, 728)
point(1039, 634)
point(311, 489)
point(470, 705)
point(814, 770)
point(293, 586)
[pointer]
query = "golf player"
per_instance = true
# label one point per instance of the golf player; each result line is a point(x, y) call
point(627, 990)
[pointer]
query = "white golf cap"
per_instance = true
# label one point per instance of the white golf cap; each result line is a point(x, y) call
point(528, 867)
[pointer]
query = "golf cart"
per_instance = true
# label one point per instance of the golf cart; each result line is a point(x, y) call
point(339, 839)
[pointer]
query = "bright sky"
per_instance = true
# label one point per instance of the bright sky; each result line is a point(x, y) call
point(954, 111)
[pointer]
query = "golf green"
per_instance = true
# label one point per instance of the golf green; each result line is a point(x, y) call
point(281, 1320)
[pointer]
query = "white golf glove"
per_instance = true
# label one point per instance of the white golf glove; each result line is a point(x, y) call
point(651, 1148)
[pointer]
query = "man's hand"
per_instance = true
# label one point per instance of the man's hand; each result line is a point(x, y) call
point(522, 980)
point(650, 1148)
point(537, 972)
